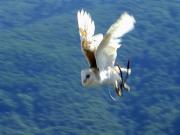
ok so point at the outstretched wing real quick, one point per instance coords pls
(107, 50)
(89, 41)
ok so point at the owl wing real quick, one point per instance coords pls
(106, 52)
(89, 41)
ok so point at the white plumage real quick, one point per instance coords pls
(103, 49)
(107, 50)
(85, 22)
(87, 28)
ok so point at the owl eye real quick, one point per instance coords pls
(87, 76)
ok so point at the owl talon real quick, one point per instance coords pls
(118, 91)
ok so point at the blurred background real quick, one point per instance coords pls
(41, 61)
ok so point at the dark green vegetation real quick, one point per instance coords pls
(41, 60)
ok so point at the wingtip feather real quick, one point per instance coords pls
(123, 25)
(85, 22)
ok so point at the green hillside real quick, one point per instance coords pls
(41, 61)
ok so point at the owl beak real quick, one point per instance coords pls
(84, 81)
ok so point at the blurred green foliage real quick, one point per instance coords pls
(41, 60)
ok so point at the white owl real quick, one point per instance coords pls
(101, 52)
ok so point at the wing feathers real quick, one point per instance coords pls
(85, 24)
(89, 41)
(96, 40)
(122, 26)
(107, 50)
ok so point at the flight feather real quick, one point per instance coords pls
(89, 41)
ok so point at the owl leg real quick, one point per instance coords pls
(123, 84)
(118, 89)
